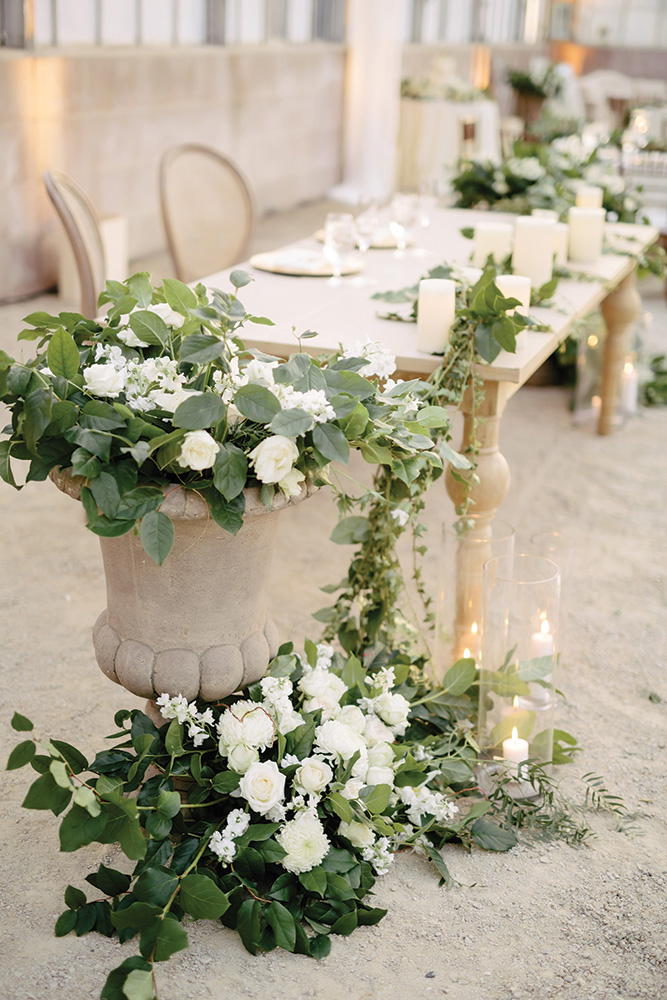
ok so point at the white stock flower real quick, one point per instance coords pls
(337, 740)
(527, 167)
(305, 841)
(400, 516)
(104, 380)
(238, 822)
(241, 757)
(357, 833)
(198, 451)
(129, 337)
(167, 399)
(313, 776)
(263, 786)
(273, 458)
(423, 802)
(223, 846)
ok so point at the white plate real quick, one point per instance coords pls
(301, 263)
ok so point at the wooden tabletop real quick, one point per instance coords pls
(345, 312)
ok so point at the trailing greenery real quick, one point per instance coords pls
(655, 389)
(543, 84)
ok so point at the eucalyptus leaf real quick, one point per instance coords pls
(157, 535)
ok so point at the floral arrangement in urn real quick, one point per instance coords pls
(161, 393)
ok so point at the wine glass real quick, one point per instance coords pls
(428, 199)
(339, 240)
(366, 223)
(403, 218)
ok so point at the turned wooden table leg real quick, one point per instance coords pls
(474, 547)
(620, 309)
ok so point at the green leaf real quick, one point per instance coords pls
(84, 464)
(200, 348)
(376, 797)
(368, 916)
(257, 403)
(21, 755)
(345, 924)
(490, 836)
(168, 803)
(131, 838)
(136, 916)
(74, 757)
(74, 898)
(505, 333)
(282, 923)
(247, 924)
(460, 676)
(109, 881)
(44, 793)
(113, 988)
(228, 514)
(230, 471)
(546, 290)
(536, 669)
(486, 344)
(226, 781)
(65, 923)
(441, 867)
(240, 278)
(331, 442)
(179, 296)
(201, 897)
(79, 828)
(157, 535)
(341, 806)
(163, 939)
(199, 411)
(149, 327)
(350, 382)
(320, 946)
(5, 464)
(37, 416)
(100, 416)
(316, 879)
(351, 530)
(105, 491)
(94, 441)
(454, 459)
(62, 355)
(291, 423)
(156, 886)
(173, 741)
(139, 985)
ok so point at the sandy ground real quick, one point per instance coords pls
(543, 921)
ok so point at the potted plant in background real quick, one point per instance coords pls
(183, 447)
(531, 89)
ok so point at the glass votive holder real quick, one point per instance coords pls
(519, 653)
(559, 547)
(467, 543)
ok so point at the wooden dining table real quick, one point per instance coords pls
(343, 312)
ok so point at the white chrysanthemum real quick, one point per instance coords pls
(335, 739)
(248, 723)
(304, 840)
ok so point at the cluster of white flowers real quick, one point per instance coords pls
(527, 167)
(243, 731)
(148, 385)
(178, 708)
(422, 801)
(389, 707)
(380, 361)
(223, 844)
(380, 855)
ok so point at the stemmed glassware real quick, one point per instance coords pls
(340, 236)
(403, 218)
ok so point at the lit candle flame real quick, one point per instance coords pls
(629, 367)
(466, 654)
(545, 626)
(515, 703)
(473, 628)
(515, 734)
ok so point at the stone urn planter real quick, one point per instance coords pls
(528, 107)
(197, 625)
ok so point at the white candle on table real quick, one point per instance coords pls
(515, 286)
(435, 314)
(589, 196)
(586, 230)
(515, 750)
(492, 238)
(542, 642)
(561, 239)
(629, 388)
(534, 249)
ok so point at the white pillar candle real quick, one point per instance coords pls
(561, 238)
(546, 213)
(629, 389)
(436, 312)
(589, 197)
(534, 249)
(515, 286)
(493, 238)
(585, 239)
(542, 642)
(515, 750)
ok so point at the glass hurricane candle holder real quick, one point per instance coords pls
(559, 547)
(519, 654)
(467, 543)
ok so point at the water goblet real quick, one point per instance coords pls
(403, 218)
(339, 240)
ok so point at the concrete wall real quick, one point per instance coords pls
(105, 117)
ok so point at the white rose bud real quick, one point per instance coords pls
(380, 776)
(313, 776)
(381, 755)
(291, 483)
(104, 380)
(198, 451)
(352, 717)
(263, 786)
(240, 758)
(392, 708)
(358, 834)
(352, 788)
(273, 458)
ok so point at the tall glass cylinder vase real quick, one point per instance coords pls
(520, 621)
(467, 543)
(559, 547)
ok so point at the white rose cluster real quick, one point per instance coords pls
(528, 168)
(152, 384)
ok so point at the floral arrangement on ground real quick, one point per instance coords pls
(276, 810)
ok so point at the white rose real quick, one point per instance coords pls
(273, 458)
(381, 755)
(357, 833)
(335, 738)
(322, 683)
(305, 841)
(240, 758)
(165, 312)
(291, 483)
(313, 776)
(377, 775)
(263, 786)
(352, 788)
(198, 451)
(104, 380)
(375, 731)
(352, 717)
(392, 708)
